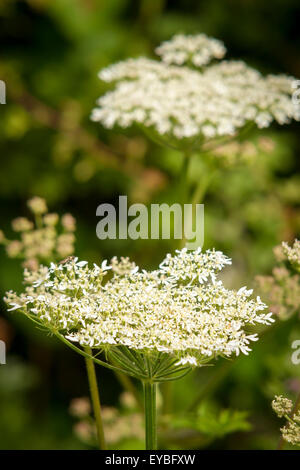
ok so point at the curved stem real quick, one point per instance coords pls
(159, 141)
(199, 193)
(121, 375)
(201, 189)
(88, 356)
(187, 370)
(90, 366)
(126, 367)
(213, 145)
(150, 415)
(184, 190)
(124, 362)
(166, 389)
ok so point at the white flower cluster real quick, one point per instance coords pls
(62, 297)
(195, 49)
(181, 309)
(47, 237)
(292, 252)
(178, 102)
(193, 265)
(123, 266)
(291, 431)
(283, 407)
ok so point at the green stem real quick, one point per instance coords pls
(83, 353)
(166, 389)
(184, 177)
(38, 221)
(90, 366)
(150, 415)
(202, 188)
(198, 196)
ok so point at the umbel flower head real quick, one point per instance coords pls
(151, 323)
(45, 237)
(282, 289)
(283, 407)
(292, 253)
(186, 97)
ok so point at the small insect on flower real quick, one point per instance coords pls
(67, 260)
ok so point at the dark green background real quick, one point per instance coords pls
(51, 51)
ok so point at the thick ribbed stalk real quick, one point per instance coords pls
(150, 415)
(90, 366)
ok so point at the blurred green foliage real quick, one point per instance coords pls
(51, 53)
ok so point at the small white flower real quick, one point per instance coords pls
(187, 360)
(81, 263)
(181, 309)
(104, 265)
(14, 307)
(176, 100)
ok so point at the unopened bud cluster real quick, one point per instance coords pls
(282, 289)
(283, 407)
(47, 237)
